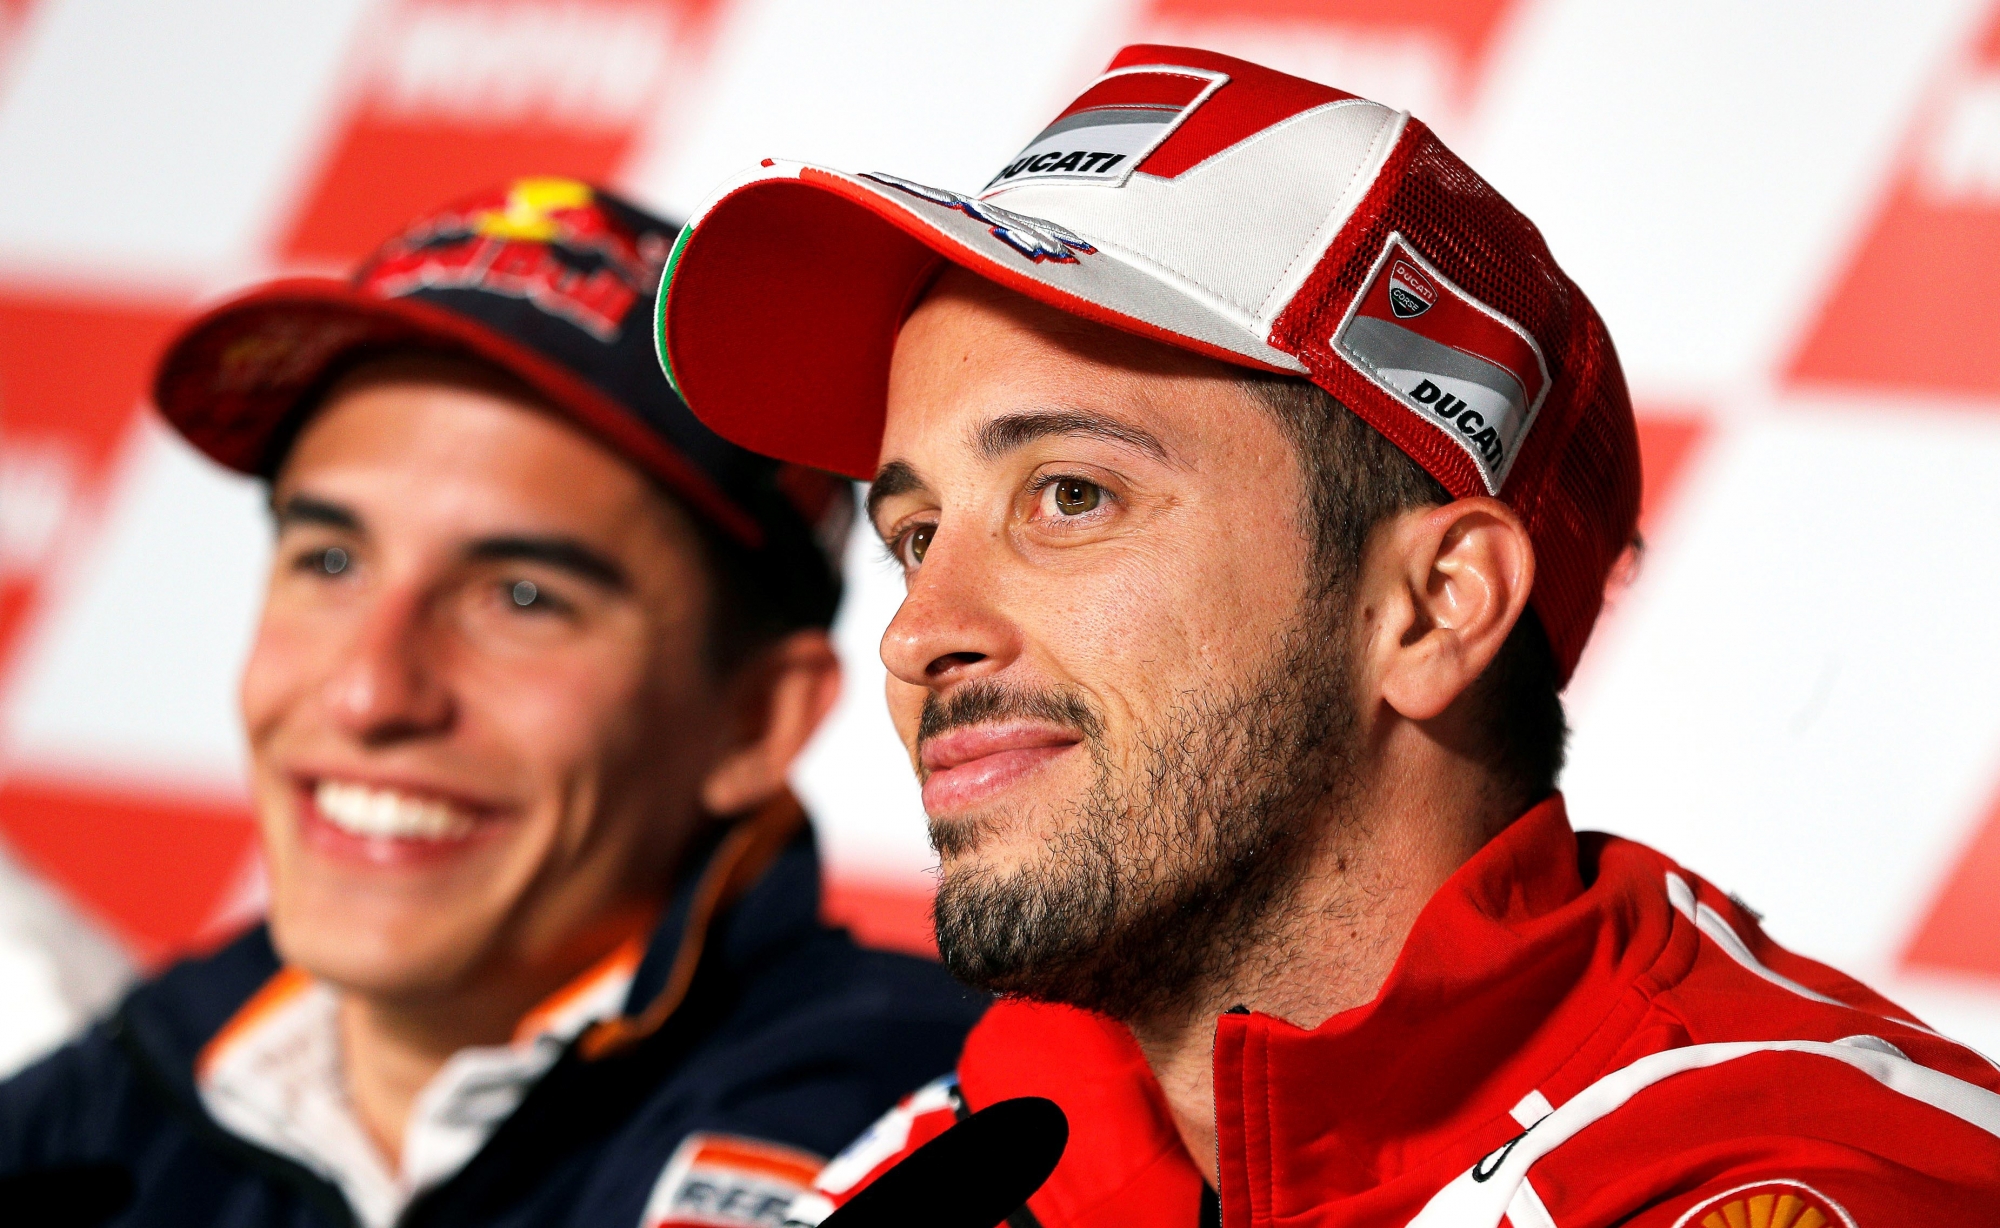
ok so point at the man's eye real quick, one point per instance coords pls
(528, 597)
(1074, 496)
(331, 561)
(917, 541)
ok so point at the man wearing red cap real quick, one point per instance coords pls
(536, 654)
(1256, 475)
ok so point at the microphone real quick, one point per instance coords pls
(66, 1195)
(974, 1175)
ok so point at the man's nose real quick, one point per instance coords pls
(389, 685)
(950, 627)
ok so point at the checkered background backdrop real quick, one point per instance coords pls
(1788, 211)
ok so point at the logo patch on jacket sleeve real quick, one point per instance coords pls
(725, 1181)
(917, 1119)
(1457, 363)
(1104, 135)
(920, 1117)
(1768, 1204)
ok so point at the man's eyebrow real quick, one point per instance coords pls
(1010, 431)
(895, 478)
(563, 553)
(306, 509)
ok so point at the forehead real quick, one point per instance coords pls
(973, 351)
(439, 444)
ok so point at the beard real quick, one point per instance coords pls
(1162, 880)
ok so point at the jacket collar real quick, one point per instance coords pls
(757, 888)
(1506, 995)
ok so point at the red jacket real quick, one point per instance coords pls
(1577, 1032)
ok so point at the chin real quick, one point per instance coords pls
(375, 956)
(993, 842)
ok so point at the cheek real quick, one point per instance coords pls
(1118, 623)
(553, 719)
(285, 662)
(906, 708)
(1160, 620)
(605, 723)
(1218, 595)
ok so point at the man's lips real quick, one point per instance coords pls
(964, 767)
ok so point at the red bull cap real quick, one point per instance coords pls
(549, 279)
(1220, 207)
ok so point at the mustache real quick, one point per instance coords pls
(984, 701)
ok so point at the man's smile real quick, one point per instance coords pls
(385, 823)
(966, 766)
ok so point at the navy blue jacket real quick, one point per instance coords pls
(787, 1031)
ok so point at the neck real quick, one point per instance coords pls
(1330, 941)
(393, 1045)
(391, 1050)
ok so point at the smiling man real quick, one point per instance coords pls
(536, 654)
(1256, 475)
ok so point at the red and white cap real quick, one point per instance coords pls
(1216, 206)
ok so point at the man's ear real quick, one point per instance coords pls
(1447, 584)
(775, 703)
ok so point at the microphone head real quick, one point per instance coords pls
(974, 1175)
(66, 1195)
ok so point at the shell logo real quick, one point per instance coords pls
(1787, 1210)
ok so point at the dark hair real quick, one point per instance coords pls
(759, 597)
(1355, 480)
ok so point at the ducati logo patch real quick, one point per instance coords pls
(1410, 293)
(1454, 361)
(1107, 132)
(723, 1181)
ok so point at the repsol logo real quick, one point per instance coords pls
(1060, 162)
(1466, 420)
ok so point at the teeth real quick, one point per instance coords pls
(387, 813)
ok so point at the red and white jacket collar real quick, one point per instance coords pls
(1577, 1031)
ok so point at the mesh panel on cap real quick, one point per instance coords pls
(1575, 480)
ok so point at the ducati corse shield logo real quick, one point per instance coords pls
(1410, 294)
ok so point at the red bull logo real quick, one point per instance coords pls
(547, 241)
(543, 211)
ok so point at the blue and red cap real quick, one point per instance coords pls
(550, 280)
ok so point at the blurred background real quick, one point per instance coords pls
(1788, 211)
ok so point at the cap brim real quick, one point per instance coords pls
(233, 381)
(783, 298)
